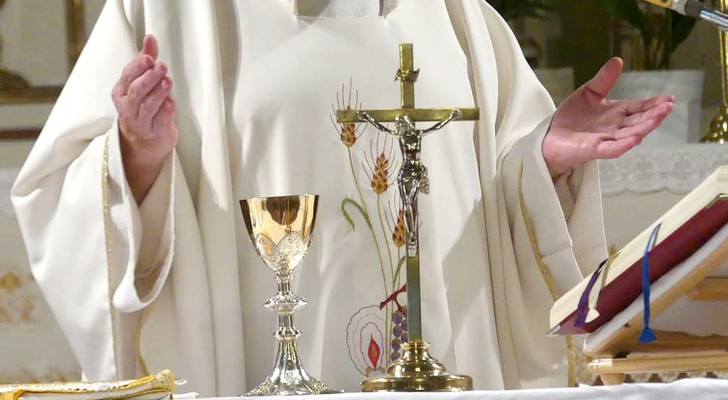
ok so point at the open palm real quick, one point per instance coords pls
(587, 126)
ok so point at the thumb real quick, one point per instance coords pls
(150, 46)
(607, 77)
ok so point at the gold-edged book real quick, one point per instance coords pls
(682, 230)
(153, 387)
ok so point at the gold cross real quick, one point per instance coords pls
(422, 371)
(407, 76)
(413, 174)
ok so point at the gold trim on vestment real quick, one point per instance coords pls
(107, 232)
(107, 241)
(570, 350)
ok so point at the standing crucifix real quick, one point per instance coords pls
(416, 370)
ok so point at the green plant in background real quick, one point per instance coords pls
(514, 9)
(661, 30)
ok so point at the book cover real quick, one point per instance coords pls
(682, 230)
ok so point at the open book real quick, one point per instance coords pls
(153, 387)
(674, 237)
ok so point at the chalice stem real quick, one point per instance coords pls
(288, 376)
(285, 304)
(288, 363)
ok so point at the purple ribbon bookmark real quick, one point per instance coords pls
(581, 309)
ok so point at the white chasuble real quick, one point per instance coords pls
(175, 283)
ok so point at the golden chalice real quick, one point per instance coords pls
(280, 228)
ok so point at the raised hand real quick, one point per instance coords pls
(147, 130)
(587, 126)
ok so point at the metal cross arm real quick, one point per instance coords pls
(414, 114)
(407, 76)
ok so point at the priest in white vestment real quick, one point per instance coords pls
(128, 202)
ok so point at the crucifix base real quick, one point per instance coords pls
(417, 371)
(718, 131)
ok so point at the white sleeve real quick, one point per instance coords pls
(566, 216)
(533, 230)
(81, 227)
(145, 232)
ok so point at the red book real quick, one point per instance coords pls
(683, 229)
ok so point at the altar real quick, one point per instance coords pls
(703, 389)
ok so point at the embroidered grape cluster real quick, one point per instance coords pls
(399, 332)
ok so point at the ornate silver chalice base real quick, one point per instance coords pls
(280, 228)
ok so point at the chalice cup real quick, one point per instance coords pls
(280, 229)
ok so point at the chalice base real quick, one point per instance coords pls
(289, 377)
(417, 371)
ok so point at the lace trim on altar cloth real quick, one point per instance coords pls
(678, 169)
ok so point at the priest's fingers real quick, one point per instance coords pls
(615, 148)
(127, 106)
(163, 122)
(136, 67)
(659, 112)
(143, 86)
(639, 130)
(638, 105)
(150, 46)
(606, 78)
(150, 105)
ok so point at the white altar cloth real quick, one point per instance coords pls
(677, 169)
(702, 389)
